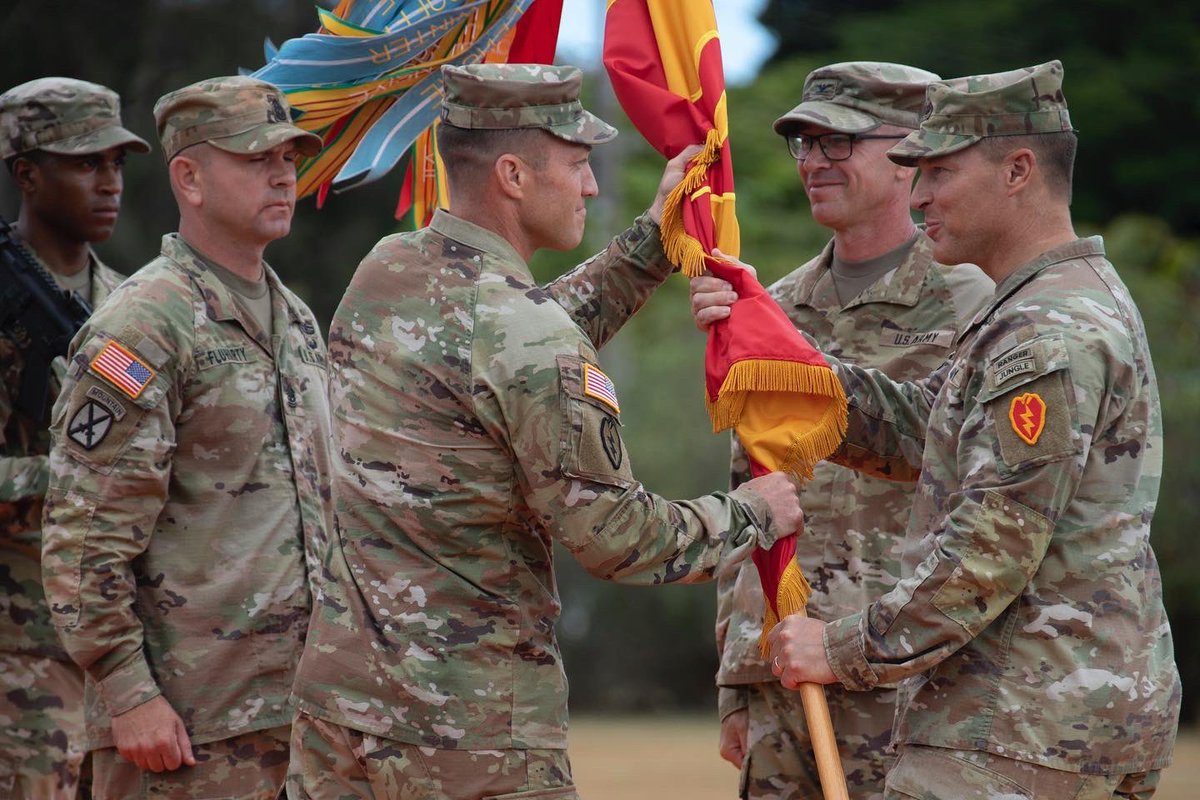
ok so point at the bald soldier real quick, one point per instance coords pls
(65, 147)
(474, 428)
(1028, 626)
(876, 297)
(189, 472)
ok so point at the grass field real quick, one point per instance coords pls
(670, 758)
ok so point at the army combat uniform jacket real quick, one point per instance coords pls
(1029, 620)
(25, 626)
(905, 325)
(188, 489)
(474, 429)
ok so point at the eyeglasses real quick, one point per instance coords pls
(835, 146)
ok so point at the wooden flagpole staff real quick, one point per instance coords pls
(820, 732)
(792, 591)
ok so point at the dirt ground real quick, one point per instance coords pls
(643, 758)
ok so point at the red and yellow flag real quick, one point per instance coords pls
(761, 377)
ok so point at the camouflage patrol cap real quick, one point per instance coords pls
(960, 112)
(64, 116)
(235, 114)
(507, 96)
(858, 96)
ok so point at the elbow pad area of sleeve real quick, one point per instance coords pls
(998, 543)
(1006, 546)
(67, 522)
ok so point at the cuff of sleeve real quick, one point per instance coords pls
(847, 658)
(731, 699)
(128, 686)
(760, 515)
(642, 242)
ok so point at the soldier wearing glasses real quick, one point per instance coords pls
(874, 296)
(1028, 627)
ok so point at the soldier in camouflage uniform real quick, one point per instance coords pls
(1028, 627)
(65, 148)
(189, 484)
(876, 297)
(474, 428)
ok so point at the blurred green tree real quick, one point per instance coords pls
(1130, 78)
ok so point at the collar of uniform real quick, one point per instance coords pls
(902, 286)
(104, 280)
(811, 274)
(1079, 248)
(217, 296)
(98, 267)
(472, 235)
(282, 299)
(100, 281)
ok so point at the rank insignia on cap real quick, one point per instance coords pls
(123, 369)
(275, 110)
(822, 89)
(1027, 413)
(596, 384)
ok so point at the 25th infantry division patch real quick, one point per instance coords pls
(1027, 413)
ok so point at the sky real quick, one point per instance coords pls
(582, 30)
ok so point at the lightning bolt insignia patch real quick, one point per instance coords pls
(1027, 413)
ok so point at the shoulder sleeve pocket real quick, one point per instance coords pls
(104, 403)
(1006, 546)
(1028, 396)
(592, 446)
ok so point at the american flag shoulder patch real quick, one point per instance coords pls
(123, 369)
(596, 384)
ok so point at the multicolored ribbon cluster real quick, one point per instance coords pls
(367, 82)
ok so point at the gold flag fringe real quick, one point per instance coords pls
(791, 597)
(809, 448)
(767, 375)
(681, 249)
(804, 451)
(772, 375)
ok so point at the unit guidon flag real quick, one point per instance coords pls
(761, 377)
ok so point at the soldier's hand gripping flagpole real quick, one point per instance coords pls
(820, 730)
